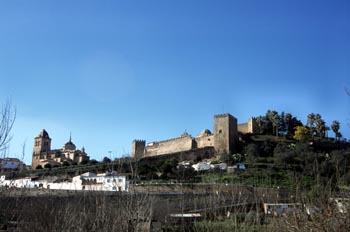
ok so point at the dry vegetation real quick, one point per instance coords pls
(221, 209)
(89, 211)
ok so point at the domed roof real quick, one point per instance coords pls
(69, 145)
(43, 134)
(205, 132)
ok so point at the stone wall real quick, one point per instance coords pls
(249, 127)
(243, 128)
(224, 139)
(184, 143)
(205, 141)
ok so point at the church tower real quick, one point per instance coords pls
(42, 143)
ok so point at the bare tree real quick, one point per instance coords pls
(7, 119)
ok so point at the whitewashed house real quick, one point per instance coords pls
(18, 183)
(87, 181)
(94, 182)
(202, 166)
(11, 163)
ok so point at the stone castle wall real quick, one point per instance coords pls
(248, 127)
(204, 141)
(184, 143)
(243, 128)
(224, 139)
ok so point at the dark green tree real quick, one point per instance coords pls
(260, 121)
(282, 126)
(335, 128)
(283, 154)
(273, 117)
(106, 160)
(93, 161)
(252, 152)
(311, 118)
(321, 127)
(291, 124)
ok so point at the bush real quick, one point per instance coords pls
(93, 162)
(65, 164)
(252, 152)
(84, 162)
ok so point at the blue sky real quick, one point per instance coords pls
(113, 71)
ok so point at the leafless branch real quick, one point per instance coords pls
(7, 119)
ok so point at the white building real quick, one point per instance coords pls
(94, 182)
(87, 181)
(18, 183)
(11, 163)
(202, 166)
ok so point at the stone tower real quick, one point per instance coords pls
(138, 148)
(225, 133)
(42, 143)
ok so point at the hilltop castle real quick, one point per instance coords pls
(42, 153)
(224, 139)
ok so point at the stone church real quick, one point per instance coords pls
(42, 153)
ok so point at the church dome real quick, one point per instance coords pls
(204, 132)
(69, 145)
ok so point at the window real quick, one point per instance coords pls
(220, 131)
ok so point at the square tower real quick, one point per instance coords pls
(225, 133)
(42, 143)
(138, 148)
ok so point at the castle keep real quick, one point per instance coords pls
(42, 153)
(224, 139)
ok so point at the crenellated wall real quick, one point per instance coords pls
(224, 139)
(248, 127)
(184, 143)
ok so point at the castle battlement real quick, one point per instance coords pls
(222, 115)
(224, 139)
(169, 140)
